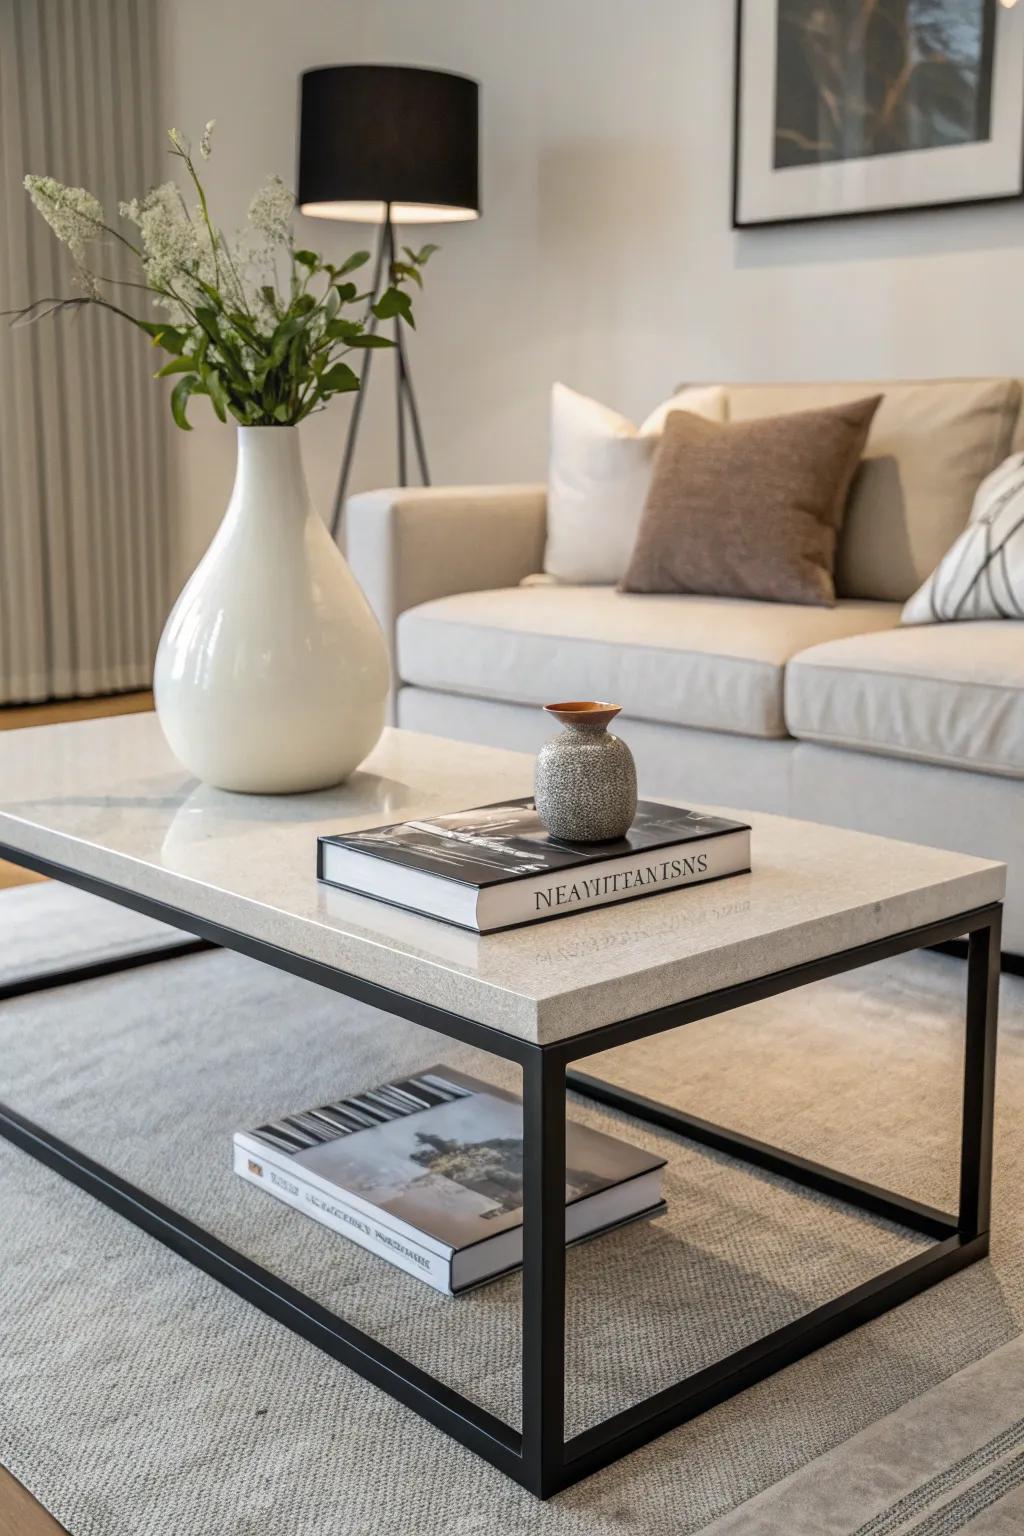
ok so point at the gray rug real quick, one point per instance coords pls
(47, 928)
(140, 1397)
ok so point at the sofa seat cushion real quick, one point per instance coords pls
(710, 662)
(950, 694)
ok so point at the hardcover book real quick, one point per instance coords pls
(427, 1172)
(497, 867)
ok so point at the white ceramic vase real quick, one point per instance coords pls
(272, 673)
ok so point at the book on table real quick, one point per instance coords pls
(427, 1172)
(497, 867)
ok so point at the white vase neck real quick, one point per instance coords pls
(270, 481)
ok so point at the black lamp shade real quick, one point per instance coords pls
(377, 134)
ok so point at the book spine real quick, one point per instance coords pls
(292, 1167)
(335, 1213)
(565, 891)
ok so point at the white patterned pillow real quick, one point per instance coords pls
(982, 576)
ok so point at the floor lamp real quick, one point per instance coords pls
(388, 145)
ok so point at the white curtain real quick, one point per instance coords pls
(83, 454)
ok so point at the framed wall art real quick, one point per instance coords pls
(867, 106)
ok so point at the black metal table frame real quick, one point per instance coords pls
(540, 1457)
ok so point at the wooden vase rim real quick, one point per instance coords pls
(593, 712)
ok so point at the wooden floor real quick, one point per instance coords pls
(20, 1515)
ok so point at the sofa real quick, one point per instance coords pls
(834, 714)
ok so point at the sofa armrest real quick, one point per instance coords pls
(410, 545)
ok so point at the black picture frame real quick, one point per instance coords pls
(783, 221)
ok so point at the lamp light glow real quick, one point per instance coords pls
(401, 213)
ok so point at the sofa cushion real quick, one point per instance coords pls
(982, 576)
(599, 471)
(950, 694)
(931, 444)
(749, 508)
(711, 662)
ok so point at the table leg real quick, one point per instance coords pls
(543, 1347)
(979, 1078)
(539, 1457)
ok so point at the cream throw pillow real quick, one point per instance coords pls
(599, 476)
(982, 576)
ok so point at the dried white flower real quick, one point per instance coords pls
(169, 244)
(253, 250)
(87, 283)
(74, 215)
(227, 297)
(215, 263)
(270, 212)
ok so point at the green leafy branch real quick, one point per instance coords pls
(277, 376)
(262, 351)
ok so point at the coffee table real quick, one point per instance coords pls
(104, 806)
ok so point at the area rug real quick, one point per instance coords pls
(952, 1460)
(140, 1397)
(49, 928)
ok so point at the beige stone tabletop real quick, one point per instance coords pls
(106, 798)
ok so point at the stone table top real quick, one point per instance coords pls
(107, 799)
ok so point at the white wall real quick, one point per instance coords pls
(238, 61)
(604, 256)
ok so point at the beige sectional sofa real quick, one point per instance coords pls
(832, 714)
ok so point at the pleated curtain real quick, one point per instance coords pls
(84, 499)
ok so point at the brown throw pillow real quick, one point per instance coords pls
(749, 508)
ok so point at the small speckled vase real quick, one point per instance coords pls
(585, 781)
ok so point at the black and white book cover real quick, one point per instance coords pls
(497, 866)
(428, 1172)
